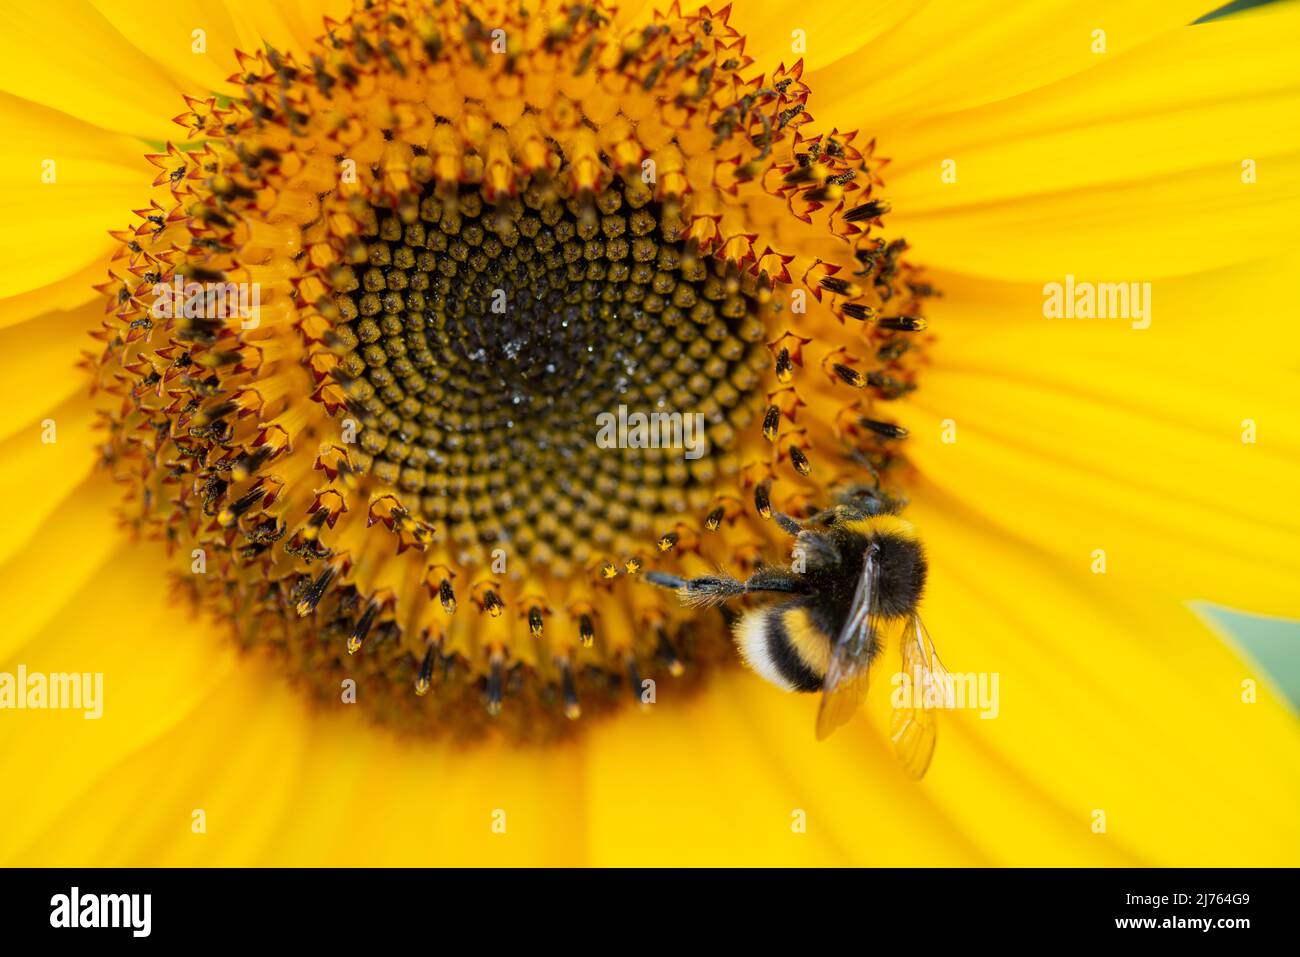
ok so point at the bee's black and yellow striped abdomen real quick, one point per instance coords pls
(780, 645)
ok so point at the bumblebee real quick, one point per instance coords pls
(858, 575)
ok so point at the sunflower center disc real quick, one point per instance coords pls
(482, 342)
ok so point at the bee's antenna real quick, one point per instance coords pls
(857, 456)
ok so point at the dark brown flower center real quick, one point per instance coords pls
(482, 343)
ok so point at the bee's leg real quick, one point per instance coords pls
(777, 579)
(708, 589)
(787, 524)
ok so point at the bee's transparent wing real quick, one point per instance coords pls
(913, 729)
(855, 647)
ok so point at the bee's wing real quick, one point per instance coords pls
(845, 684)
(913, 729)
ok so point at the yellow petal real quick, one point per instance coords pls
(71, 289)
(38, 371)
(44, 462)
(101, 77)
(821, 35)
(1081, 435)
(1136, 168)
(42, 578)
(158, 665)
(168, 36)
(957, 54)
(736, 777)
(200, 62)
(1111, 699)
(55, 228)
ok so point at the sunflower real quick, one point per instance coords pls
(453, 238)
